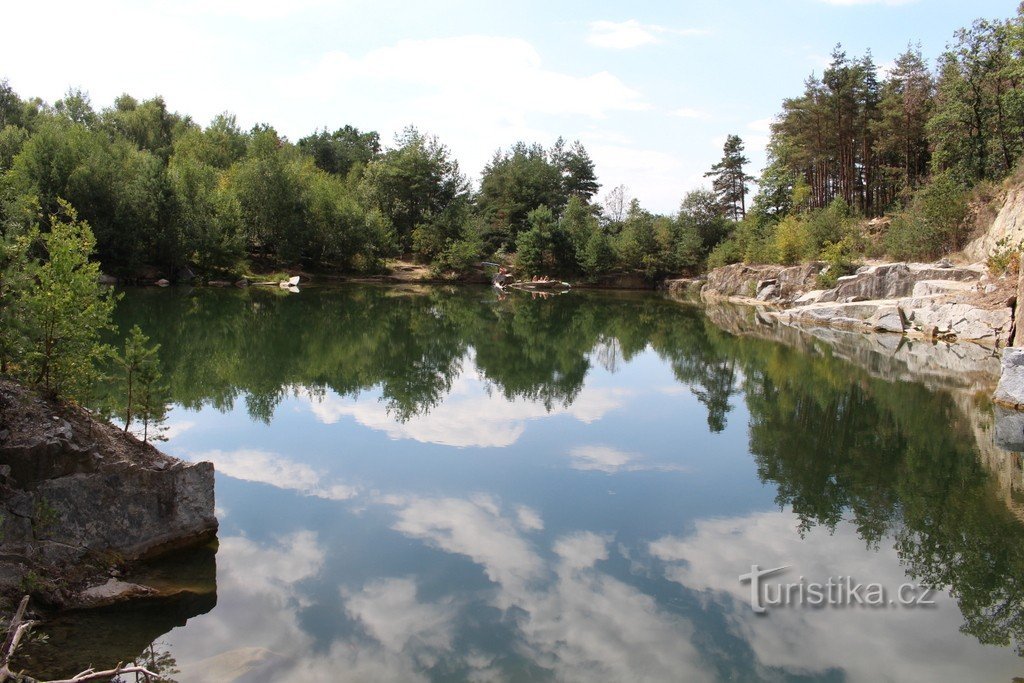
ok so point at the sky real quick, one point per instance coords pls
(650, 88)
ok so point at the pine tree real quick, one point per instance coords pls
(730, 183)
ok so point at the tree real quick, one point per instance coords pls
(413, 183)
(901, 133)
(14, 280)
(65, 309)
(341, 151)
(513, 184)
(700, 212)
(578, 176)
(616, 203)
(545, 246)
(729, 181)
(207, 217)
(138, 369)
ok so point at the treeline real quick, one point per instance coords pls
(162, 194)
(914, 143)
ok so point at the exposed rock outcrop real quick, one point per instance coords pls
(743, 280)
(1006, 231)
(929, 300)
(78, 497)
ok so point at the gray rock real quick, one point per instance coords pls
(888, 319)
(933, 287)
(162, 282)
(811, 297)
(1010, 391)
(965, 321)
(768, 292)
(105, 279)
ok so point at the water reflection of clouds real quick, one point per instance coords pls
(903, 643)
(610, 460)
(575, 620)
(470, 415)
(569, 615)
(265, 467)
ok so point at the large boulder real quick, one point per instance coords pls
(747, 280)
(895, 280)
(964, 321)
(76, 493)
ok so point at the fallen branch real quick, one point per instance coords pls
(15, 631)
(93, 675)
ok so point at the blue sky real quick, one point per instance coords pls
(651, 88)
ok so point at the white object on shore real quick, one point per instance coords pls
(289, 283)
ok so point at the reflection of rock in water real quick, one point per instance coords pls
(1005, 459)
(186, 585)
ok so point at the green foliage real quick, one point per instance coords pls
(598, 254)
(414, 184)
(729, 181)
(725, 252)
(1005, 259)
(64, 310)
(933, 223)
(544, 246)
(793, 241)
(700, 213)
(343, 150)
(839, 259)
(518, 181)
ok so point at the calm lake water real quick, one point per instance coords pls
(441, 485)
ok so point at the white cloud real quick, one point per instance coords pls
(625, 35)
(175, 429)
(485, 73)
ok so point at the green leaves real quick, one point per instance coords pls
(63, 310)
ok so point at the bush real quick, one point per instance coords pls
(724, 253)
(792, 242)
(839, 257)
(933, 223)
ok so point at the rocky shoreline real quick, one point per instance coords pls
(929, 301)
(81, 502)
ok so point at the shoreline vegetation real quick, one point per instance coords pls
(863, 164)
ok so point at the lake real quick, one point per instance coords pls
(445, 484)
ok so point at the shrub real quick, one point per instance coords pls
(724, 253)
(839, 257)
(792, 242)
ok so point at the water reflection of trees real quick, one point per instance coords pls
(837, 443)
(219, 346)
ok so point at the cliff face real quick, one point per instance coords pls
(79, 498)
(1006, 231)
